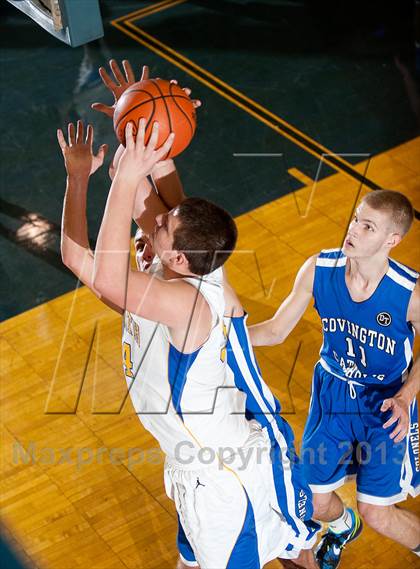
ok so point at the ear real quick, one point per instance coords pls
(179, 261)
(183, 261)
(393, 240)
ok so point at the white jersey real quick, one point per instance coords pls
(183, 399)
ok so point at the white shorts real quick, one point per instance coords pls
(226, 511)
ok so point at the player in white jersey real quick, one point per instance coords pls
(291, 495)
(363, 415)
(218, 470)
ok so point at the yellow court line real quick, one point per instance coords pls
(145, 11)
(216, 79)
(306, 180)
(231, 99)
(320, 151)
(199, 78)
(300, 139)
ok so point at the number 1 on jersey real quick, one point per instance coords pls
(351, 353)
(127, 361)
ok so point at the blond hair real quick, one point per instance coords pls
(396, 204)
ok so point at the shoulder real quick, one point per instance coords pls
(402, 275)
(306, 274)
(330, 258)
(413, 313)
(171, 302)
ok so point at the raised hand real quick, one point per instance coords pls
(79, 158)
(167, 166)
(119, 84)
(138, 159)
(196, 102)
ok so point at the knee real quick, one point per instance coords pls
(321, 505)
(377, 517)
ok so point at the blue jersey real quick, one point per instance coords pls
(368, 342)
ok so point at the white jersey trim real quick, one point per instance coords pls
(410, 272)
(320, 262)
(392, 274)
(325, 488)
(381, 501)
(335, 250)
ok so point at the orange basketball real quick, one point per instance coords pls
(161, 101)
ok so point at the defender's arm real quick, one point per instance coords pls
(276, 330)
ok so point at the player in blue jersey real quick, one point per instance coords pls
(363, 418)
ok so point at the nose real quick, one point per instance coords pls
(159, 219)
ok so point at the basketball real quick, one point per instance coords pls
(161, 101)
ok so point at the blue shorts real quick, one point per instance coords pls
(344, 438)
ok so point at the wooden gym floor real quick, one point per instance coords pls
(81, 480)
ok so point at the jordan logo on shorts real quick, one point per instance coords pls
(199, 483)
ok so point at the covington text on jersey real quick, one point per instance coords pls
(372, 338)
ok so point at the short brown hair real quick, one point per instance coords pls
(396, 204)
(206, 235)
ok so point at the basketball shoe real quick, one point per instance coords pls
(329, 550)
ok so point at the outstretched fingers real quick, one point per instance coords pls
(107, 80)
(141, 133)
(106, 109)
(196, 102)
(70, 134)
(89, 135)
(163, 151)
(144, 73)
(129, 73)
(117, 72)
(393, 419)
(129, 136)
(151, 145)
(79, 132)
(61, 139)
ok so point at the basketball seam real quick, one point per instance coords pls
(167, 112)
(151, 116)
(182, 110)
(127, 93)
(143, 103)
(164, 102)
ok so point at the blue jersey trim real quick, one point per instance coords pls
(184, 546)
(245, 551)
(240, 329)
(265, 417)
(178, 366)
(253, 408)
